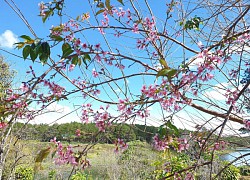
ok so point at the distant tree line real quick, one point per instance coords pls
(88, 132)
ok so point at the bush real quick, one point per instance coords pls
(24, 173)
(245, 170)
(230, 173)
(81, 176)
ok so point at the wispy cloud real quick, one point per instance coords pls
(56, 113)
(8, 39)
(218, 92)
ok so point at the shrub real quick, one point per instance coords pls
(81, 176)
(24, 173)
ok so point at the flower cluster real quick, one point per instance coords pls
(247, 124)
(101, 117)
(86, 111)
(78, 132)
(3, 125)
(42, 8)
(65, 155)
(125, 107)
(170, 99)
(120, 145)
(160, 144)
(221, 145)
(183, 144)
(231, 97)
(55, 89)
(180, 144)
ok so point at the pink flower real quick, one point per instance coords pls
(189, 176)
(24, 87)
(120, 144)
(160, 144)
(78, 132)
(94, 73)
(71, 67)
(100, 125)
(247, 124)
(77, 42)
(84, 46)
(53, 140)
(135, 28)
(101, 30)
(183, 144)
(98, 58)
(143, 113)
(42, 7)
(217, 146)
(3, 125)
(97, 46)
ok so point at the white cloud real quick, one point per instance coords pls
(190, 118)
(238, 48)
(56, 113)
(218, 92)
(55, 107)
(197, 61)
(8, 39)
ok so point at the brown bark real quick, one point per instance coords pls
(217, 114)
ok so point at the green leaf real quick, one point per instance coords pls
(45, 48)
(87, 57)
(193, 23)
(53, 153)
(67, 52)
(121, 1)
(56, 38)
(162, 131)
(167, 72)
(43, 58)
(100, 5)
(84, 61)
(33, 54)
(19, 45)
(164, 63)
(100, 11)
(79, 61)
(162, 72)
(26, 51)
(25, 37)
(39, 50)
(47, 14)
(171, 73)
(107, 3)
(65, 46)
(40, 157)
(75, 60)
(173, 127)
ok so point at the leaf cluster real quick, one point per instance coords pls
(34, 48)
(193, 23)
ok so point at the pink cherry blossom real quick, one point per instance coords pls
(71, 67)
(94, 73)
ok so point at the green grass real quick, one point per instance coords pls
(105, 163)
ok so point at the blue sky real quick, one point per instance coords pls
(12, 27)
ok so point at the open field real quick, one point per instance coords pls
(139, 161)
